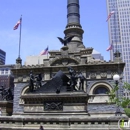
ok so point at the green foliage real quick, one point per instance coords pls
(126, 86)
(112, 95)
(124, 102)
(127, 111)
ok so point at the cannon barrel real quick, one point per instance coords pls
(61, 75)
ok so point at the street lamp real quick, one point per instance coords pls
(116, 78)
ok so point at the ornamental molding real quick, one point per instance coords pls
(103, 75)
(53, 106)
(113, 73)
(65, 61)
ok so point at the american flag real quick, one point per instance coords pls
(44, 52)
(17, 24)
(109, 16)
(110, 48)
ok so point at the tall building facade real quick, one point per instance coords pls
(6, 76)
(119, 32)
(2, 57)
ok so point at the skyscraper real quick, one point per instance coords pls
(119, 31)
(2, 57)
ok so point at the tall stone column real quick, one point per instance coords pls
(73, 25)
(73, 15)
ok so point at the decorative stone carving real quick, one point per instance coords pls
(86, 51)
(53, 106)
(65, 62)
(93, 75)
(103, 74)
(21, 101)
(20, 79)
(113, 73)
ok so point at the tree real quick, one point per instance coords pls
(124, 102)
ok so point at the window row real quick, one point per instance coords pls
(6, 71)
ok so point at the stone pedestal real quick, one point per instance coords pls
(64, 103)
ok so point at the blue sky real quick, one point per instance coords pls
(45, 20)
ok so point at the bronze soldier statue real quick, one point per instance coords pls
(31, 82)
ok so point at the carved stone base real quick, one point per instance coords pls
(69, 102)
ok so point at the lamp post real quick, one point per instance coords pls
(116, 78)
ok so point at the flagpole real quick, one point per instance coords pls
(47, 52)
(114, 40)
(20, 35)
(112, 48)
(115, 31)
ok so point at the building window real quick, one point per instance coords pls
(6, 71)
(2, 71)
(101, 90)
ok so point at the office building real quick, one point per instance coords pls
(6, 76)
(97, 55)
(2, 57)
(6, 79)
(119, 32)
(35, 60)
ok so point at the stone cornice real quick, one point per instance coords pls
(65, 97)
(89, 65)
(95, 63)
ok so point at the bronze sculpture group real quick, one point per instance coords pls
(74, 77)
(6, 93)
(35, 79)
(35, 82)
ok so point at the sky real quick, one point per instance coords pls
(45, 20)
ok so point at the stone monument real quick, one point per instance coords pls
(72, 91)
